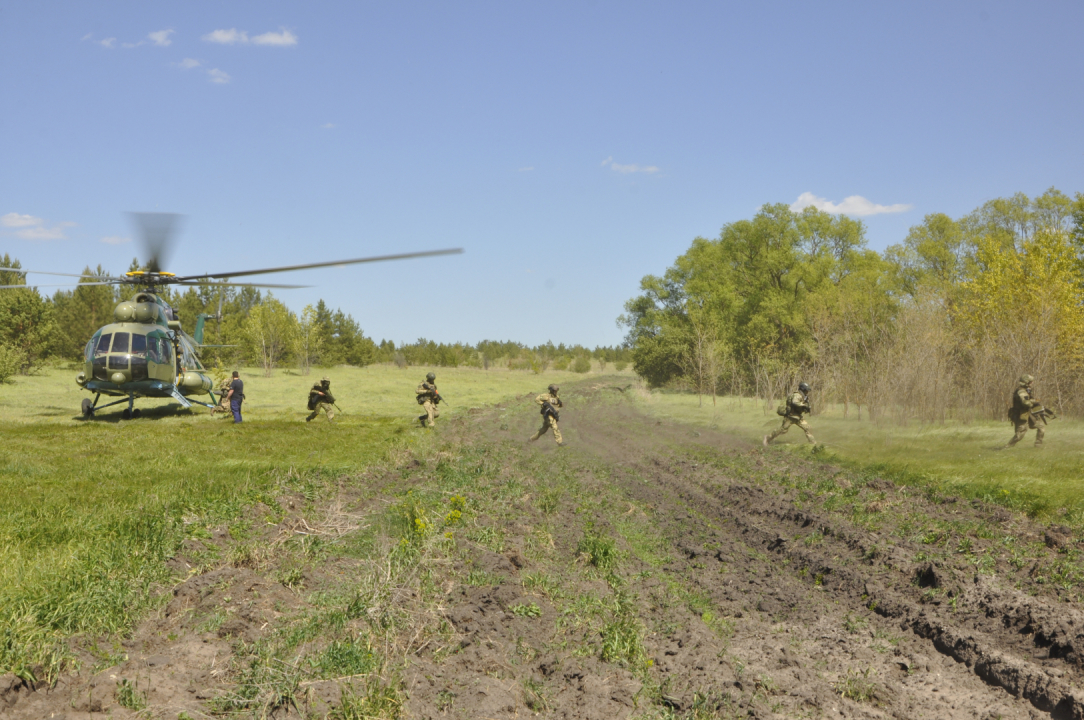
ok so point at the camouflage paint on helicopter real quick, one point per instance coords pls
(144, 353)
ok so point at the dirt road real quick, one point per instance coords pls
(643, 570)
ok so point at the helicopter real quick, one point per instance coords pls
(144, 353)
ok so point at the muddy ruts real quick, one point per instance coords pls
(1017, 676)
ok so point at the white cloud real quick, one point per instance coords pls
(108, 43)
(328, 126)
(526, 169)
(218, 76)
(188, 63)
(282, 39)
(852, 205)
(626, 169)
(227, 37)
(161, 38)
(116, 240)
(233, 36)
(33, 228)
(17, 220)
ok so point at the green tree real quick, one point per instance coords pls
(268, 331)
(307, 339)
(81, 312)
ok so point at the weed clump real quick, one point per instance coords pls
(599, 550)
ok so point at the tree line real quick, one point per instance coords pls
(938, 325)
(247, 326)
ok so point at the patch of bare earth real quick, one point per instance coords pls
(643, 570)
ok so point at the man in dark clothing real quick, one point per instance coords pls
(236, 396)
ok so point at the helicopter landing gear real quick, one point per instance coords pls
(129, 413)
(88, 408)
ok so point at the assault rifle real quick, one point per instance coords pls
(438, 398)
(551, 411)
(1045, 413)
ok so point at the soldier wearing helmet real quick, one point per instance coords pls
(793, 410)
(1026, 413)
(321, 399)
(429, 398)
(549, 402)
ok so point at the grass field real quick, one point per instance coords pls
(90, 510)
(956, 458)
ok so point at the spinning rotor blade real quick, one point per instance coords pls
(233, 284)
(74, 285)
(379, 258)
(74, 275)
(157, 231)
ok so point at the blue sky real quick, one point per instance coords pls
(571, 148)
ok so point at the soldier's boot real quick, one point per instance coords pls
(809, 437)
(1039, 437)
(422, 419)
(311, 417)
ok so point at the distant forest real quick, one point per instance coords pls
(35, 329)
(940, 325)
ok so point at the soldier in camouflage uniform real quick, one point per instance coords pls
(1026, 413)
(549, 402)
(321, 399)
(796, 407)
(429, 398)
(223, 398)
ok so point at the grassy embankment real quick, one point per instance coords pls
(89, 510)
(954, 458)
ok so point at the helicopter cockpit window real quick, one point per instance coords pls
(103, 344)
(152, 349)
(120, 342)
(92, 344)
(139, 344)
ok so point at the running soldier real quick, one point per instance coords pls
(549, 403)
(1027, 413)
(796, 407)
(320, 398)
(429, 398)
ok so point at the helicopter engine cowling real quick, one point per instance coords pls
(124, 312)
(193, 380)
(146, 312)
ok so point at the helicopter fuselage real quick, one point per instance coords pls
(144, 353)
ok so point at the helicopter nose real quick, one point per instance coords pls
(119, 378)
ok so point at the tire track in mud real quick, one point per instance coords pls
(1031, 648)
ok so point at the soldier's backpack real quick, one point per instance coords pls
(313, 398)
(782, 409)
(1014, 415)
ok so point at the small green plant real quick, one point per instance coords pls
(856, 685)
(581, 364)
(293, 578)
(854, 623)
(375, 701)
(600, 551)
(544, 584)
(622, 643)
(549, 499)
(130, 696)
(527, 610)
(534, 695)
(723, 627)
